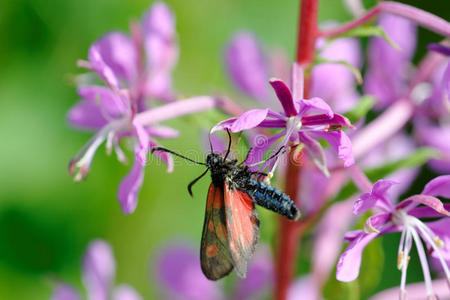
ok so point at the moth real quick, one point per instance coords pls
(231, 225)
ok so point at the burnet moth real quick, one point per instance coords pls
(231, 226)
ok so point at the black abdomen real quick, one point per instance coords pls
(271, 198)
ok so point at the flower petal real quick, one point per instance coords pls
(99, 269)
(374, 223)
(305, 287)
(285, 96)
(259, 276)
(350, 261)
(86, 115)
(163, 156)
(159, 36)
(314, 104)
(387, 72)
(340, 142)
(144, 141)
(323, 119)
(248, 120)
(125, 292)
(65, 292)
(315, 152)
(439, 186)
(162, 132)
(335, 82)
(246, 65)
(109, 102)
(427, 212)
(415, 291)
(130, 186)
(179, 272)
(101, 68)
(120, 54)
(440, 229)
(378, 196)
(429, 201)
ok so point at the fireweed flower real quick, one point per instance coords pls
(249, 68)
(99, 270)
(178, 270)
(404, 217)
(118, 109)
(297, 124)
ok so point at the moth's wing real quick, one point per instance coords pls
(242, 227)
(215, 255)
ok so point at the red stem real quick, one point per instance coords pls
(290, 232)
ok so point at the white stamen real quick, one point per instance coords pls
(424, 263)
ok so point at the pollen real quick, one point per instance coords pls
(400, 260)
(439, 242)
(211, 250)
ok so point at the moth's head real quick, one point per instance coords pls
(214, 160)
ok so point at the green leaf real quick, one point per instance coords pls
(361, 109)
(355, 71)
(416, 159)
(369, 31)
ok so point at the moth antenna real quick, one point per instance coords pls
(162, 149)
(229, 144)
(270, 157)
(194, 181)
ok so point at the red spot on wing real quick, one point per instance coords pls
(211, 250)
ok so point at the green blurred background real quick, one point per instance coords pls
(46, 220)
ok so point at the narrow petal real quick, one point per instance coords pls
(109, 102)
(162, 132)
(429, 201)
(159, 36)
(65, 292)
(163, 156)
(260, 145)
(315, 152)
(99, 270)
(439, 186)
(130, 186)
(329, 238)
(427, 212)
(125, 292)
(314, 104)
(119, 53)
(248, 120)
(365, 202)
(272, 123)
(285, 96)
(340, 142)
(350, 261)
(440, 229)
(324, 119)
(350, 236)
(374, 223)
(101, 68)
(86, 115)
(144, 141)
(179, 273)
(246, 65)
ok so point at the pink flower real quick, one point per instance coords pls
(404, 217)
(297, 123)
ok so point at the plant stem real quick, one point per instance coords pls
(289, 232)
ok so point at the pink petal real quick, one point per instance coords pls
(439, 186)
(350, 261)
(162, 132)
(429, 201)
(246, 65)
(415, 291)
(365, 202)
(119, 53)
(86, 115)
(315, 152)
(260, 145)
(374, 223)
(125, 292)
(109, 102)
(285, 96)
(163, 156)
(159, 36)
(101, 68)
(441, 229)
(324, 119)
(99, 269)
(427, 212)
(314, 104)
(130, 186)
(340, 142)
(65, 292)
(248, 120)
(305, 287)
(350, 236)
(144, 141)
